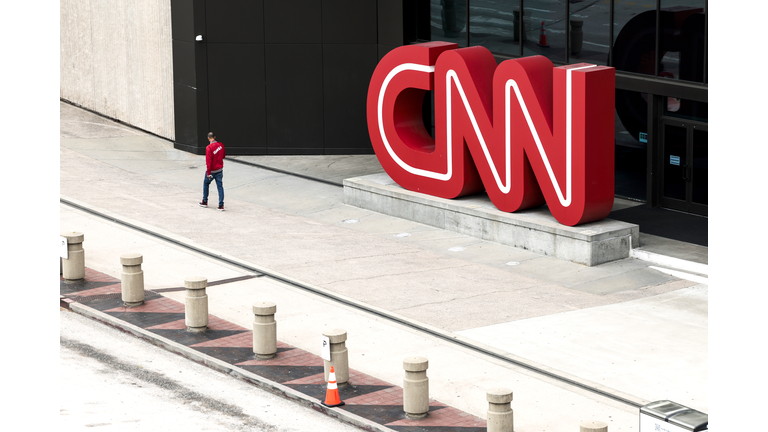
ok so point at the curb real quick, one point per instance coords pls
(226, 368)
(543, 371)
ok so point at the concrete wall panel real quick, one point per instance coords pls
(75, 63)
(116, 59)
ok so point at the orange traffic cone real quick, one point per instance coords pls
(543, 37)
(332, 398)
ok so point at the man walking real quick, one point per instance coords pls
(214, 166)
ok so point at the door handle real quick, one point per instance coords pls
(686, 172)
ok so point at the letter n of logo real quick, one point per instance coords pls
(524, 131)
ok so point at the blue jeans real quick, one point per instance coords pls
(219, 185)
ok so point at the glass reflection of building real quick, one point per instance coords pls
(659, 50)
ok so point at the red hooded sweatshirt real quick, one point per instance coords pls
(214, 158)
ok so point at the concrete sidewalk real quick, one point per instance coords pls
(458, 377)
(622, 325)
(296, 374)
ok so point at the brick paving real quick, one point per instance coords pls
(365, 396)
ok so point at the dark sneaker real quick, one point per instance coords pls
(203, 203)
(221, 207)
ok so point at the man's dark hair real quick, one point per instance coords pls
(211, 135)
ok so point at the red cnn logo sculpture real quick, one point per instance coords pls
(524, 131)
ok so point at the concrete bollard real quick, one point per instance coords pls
(196, 306)
(499, 410)
(264, 330)
(593, 426)
(132, 279)
(73, 268)
(339, 356)
(415, 387)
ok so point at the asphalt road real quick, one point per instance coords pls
(110, 380)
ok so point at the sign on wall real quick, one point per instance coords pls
(524, 131)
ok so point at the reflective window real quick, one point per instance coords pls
(590, 31)
(700, 179)
(682, 40)
(544, 22)
(686, 109)
(448, 21)
(634, 33)
(574, 31)
(494, 25)
(543, 25)
(631, 147)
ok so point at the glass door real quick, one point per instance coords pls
(684, 165)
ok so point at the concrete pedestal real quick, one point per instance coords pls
(264, 330)
(132, 279)
(593, 426)
(73, 268)
(500, 416)
(196, 304)
(415, 387)
(535, 230)
(339, 355)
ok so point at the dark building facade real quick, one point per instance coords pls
(279, 77)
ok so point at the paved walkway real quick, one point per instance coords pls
(608, 325)
(368, 402)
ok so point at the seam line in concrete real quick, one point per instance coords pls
(290, 173)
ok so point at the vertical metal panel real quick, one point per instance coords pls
(706, 40)
(347, 70)
(468, 22)
(610, 31)
(568, 31)
(185, 104)
(236, 96)
(294, 98)
(184, 63)
(521, 26)
(390, 22)
(654, 163)
(234, 21)
(201, 72)
(182, 20)
(656, 54)
(349, 21)
(292, 22)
